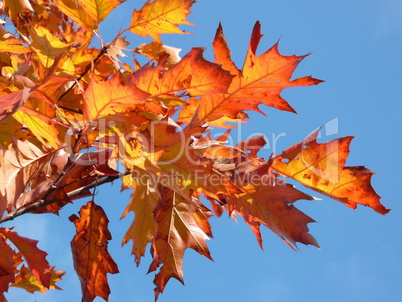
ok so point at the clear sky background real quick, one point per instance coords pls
(356, 48)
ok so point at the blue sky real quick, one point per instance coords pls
(356, 48)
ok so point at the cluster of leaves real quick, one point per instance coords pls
(71, 113)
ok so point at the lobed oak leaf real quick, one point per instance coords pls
(263, 77)
(260, 81)
(177, 230)
(271, 203)
(92, 260)
(160, 17)
(103, 98)
(321, 167)
(88, 13)
(34, 257)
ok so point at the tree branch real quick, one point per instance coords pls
(43, 202)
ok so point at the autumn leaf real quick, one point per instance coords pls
(88, 13)
(20, 165)
(11, 102)
(47, 45)
(142, 203)
(321, 167)
(177, 230)
(260, 81)
(92, 260)
(210, 78)
(6, 265)
(30, 283)
(34, 257)
(155, 50)
(160, 17)
(16, 7)
(272, 205)
(103, 98)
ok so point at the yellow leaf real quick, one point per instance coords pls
(160, 17)
(87, 13)
(47, 45)
(45, 133)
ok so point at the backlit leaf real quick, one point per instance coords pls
(160, 17)
(87, 13)
(92, 260)
(321, 167)
(103, 98)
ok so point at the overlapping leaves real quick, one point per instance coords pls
(72, 116)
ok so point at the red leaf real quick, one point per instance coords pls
(6, 265)
(35, 258)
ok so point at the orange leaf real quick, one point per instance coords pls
(88, 13)
(105, 98)
(34, 257)
(176, 231)
(92, 260)
(11, 102)
(321, 167)
(260, 81)
(160, 17)
(263, 77)
(193, 73)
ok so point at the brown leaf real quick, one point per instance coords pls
(321, 167)
(92, 260)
